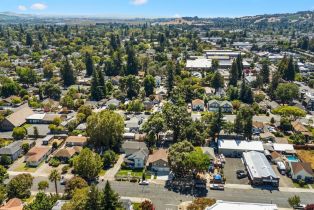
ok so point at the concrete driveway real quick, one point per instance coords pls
(110, 174)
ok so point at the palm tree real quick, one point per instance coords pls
(55, 177)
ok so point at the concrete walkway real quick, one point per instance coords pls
(281, 189)
(110, 174)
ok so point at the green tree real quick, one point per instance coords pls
(147, 205)
(111, 199)
(132, 62)
(286, 92)
(67, 73)
(290, 112)
(135, 106)
(29, 40)
(19, 133)
(215, 64)
(170, 77)
(87, 164)
(74, 183)
(89, 64)
(239, 62)
(109, 158)
(244, 121)
(130, 85)
(294, 201)
(154, 125)
(43, 185)
(290, 72)
(149, 85)
(178, 156)
(233, 78)
(26, 75)
(105, 129)
(217, 81)
(55, 176)
(35, 130)
(94, 199)
(19, 186)
(216, 124)
(3, 193)
(265, 72)
(42, 202)
(3, 174)
(78, 200)
(96, 89)
(176, 119)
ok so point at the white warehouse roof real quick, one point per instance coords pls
(200, 63)
(227, 205)
(283, 147)
(240, 145)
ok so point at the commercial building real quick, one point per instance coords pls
(235, 148)
(259, 169)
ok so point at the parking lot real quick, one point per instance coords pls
(231, 166)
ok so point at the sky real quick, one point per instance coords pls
(155, 8)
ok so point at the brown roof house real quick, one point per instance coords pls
(158, 161)
(301, 170)
(298, 127)
(198, 105)
(65, 154)
(36, 155)
(13, 204)
(76, 141)
(17, 118)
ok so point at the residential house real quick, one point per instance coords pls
(17, 118)
(113, 102)
(126, 204)
(47, 139)
(58, 205)
(276, 157)
(298, 127)
(76, 141)
(130, 147)
(301, 170)
(137, 159)
(309, 101)
(65, 154)
(148, 104)
(226, 106)
(13, 204)
(158, 161)
(133, 125)
(198, 105)
(258, 127)
(284, 148)
(259, 170)
(36, 155)
(13, 150)
(41, 118)
(250, 79)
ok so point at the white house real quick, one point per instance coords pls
(301, 170)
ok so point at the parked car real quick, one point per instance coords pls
(240, 171)
(216, 187)
(143, 182)
(63, 182)
(241, 175)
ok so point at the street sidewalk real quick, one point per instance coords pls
(281, 189)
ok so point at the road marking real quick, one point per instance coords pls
(170, 205)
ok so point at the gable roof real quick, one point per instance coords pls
(13, 204)
(77, 139)
(18, 117)
(11, 148)
(299, 127)
(65, 152)
(299, 166)
(36, 153)
(198, 102)
(161, 154)
(141, 154)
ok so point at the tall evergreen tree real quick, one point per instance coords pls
(170, 77)
(96, 89)
(132, 63)
(265, 72)
(93, 199)
(289, 73)
(101, 82)
(216, 123)
(110, 199)
(89, 63)
(149, 85)
(29, 39)
(239, 62)
(233, 78)
(67, 73)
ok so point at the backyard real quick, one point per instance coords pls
(306, 156)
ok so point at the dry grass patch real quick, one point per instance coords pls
(306, 156)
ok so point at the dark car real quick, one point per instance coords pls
(241, 175)
(240, 172)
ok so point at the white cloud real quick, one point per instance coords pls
(22, 8)
(139, 2)
(39, 6)
(177, 16)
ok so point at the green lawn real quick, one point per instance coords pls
(131, 172)
(24, 168)
(295, 184)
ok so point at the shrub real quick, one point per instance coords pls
(65, 169)
(54, 162)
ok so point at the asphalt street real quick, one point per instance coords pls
(168, 200)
